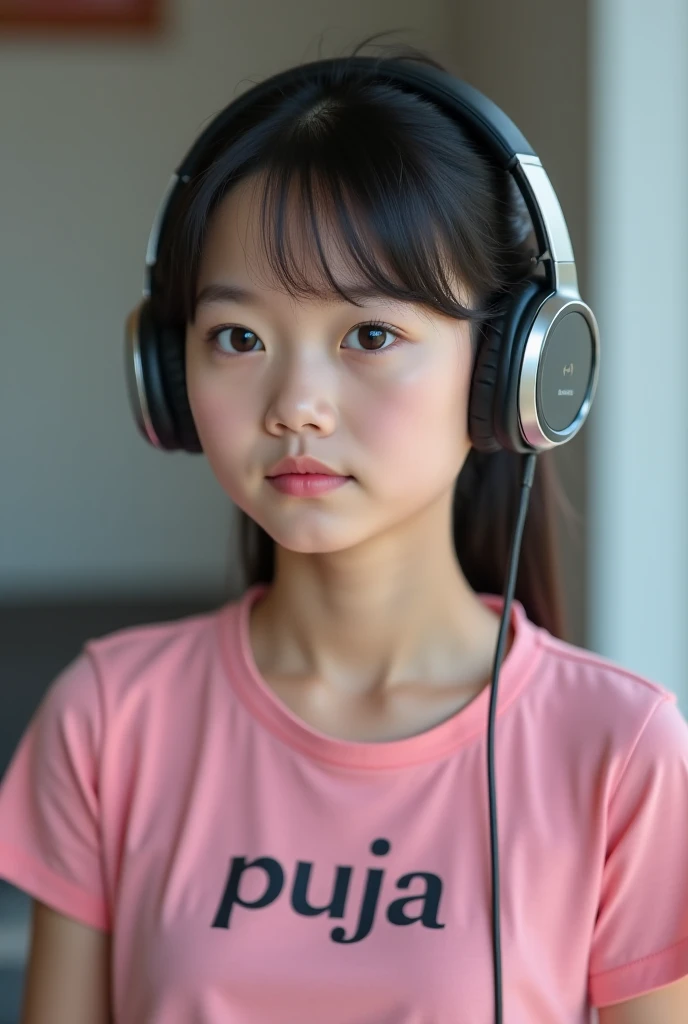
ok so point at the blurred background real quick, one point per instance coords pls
(97, 529)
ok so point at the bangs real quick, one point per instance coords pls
(362, 189)
(323, 236)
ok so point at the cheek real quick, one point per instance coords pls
(418, 425)
(223, 419)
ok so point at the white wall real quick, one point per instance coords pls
(90, 134)
(638, 609)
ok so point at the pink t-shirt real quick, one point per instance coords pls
(253, 870)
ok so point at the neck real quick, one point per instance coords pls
(395, 610)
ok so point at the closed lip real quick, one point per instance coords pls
(302, 464)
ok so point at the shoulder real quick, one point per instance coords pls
(584, 672)
(128, 675)
(603, 713)
(124, 665)
(606, 679)
(153, 657)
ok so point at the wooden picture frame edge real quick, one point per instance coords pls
(144, 16)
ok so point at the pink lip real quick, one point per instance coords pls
(307, 485)
(301, 464)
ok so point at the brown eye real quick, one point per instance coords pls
(235, 340)
(372, 337)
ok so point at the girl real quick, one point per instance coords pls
(277, 812)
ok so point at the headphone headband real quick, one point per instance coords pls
(491, 127)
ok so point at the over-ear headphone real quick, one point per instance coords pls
(537, 365)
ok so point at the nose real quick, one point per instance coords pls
(302, 400)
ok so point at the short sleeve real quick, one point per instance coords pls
(640, 940)
(50, 833)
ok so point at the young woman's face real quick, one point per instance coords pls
(270, 376)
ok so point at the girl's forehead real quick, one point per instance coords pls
(240, 213)
(240, 242)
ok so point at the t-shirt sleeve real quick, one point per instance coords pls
(640, 940)
(50, 822)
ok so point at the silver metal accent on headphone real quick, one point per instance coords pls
(552, 310)
(532, 177)
(565, 299)
(134, 378)
(154, 236)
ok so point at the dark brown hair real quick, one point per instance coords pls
(405, 187)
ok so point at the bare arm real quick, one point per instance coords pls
(666, 1005)
(68, 971)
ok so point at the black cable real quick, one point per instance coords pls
(529, 461)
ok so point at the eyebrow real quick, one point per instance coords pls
(233, 293)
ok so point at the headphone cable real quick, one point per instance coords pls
(529, 462)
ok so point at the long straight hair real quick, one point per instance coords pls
(413, 201)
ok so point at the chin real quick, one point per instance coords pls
(310, 538)
(312, 544)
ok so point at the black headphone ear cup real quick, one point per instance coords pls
(483, 385)
(172, 354)
(493, 408)
(158, 393)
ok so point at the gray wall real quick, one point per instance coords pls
(90, 134)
